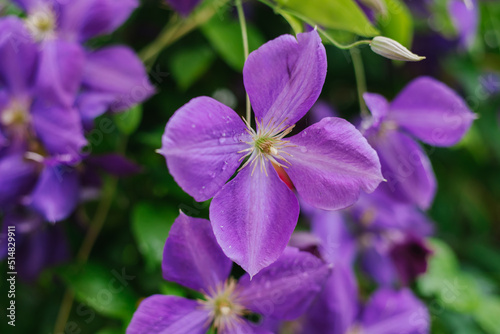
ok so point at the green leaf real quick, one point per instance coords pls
(334, 14)
(294, 23)
(150, 226)
(128, 121)
(487, 315)
(398, 24)
(224, 34)
(172, 288)
(106, 290)
(188, 65)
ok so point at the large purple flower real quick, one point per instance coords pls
(428, 110)
(111, 78)
(193, 258)
(255, 213)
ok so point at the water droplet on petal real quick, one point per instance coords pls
(212, 175)
(222, 140)
(193, 125)
(303, 149)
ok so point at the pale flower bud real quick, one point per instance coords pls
(391, 49)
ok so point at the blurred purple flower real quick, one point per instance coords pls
(183, 7)
(426, 109)
(254, 215)
(112, 78)
(465, 16)
(193, 258)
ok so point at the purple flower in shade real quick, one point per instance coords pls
(391, 238)
(193, 258)
(38, 244)
(254, 214)
(112, 78)
(183, 7)
(427, 110)
(465, 17)
(337, 308)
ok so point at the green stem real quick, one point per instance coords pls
(311, 23)
(244, 33)
(93, 232)
(359, 72)
(177, 28)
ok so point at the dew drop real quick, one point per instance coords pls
(193, 125)
(222, 140)
(229, 246)
(212, 175)
(303, 149)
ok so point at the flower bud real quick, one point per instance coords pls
(391, 49)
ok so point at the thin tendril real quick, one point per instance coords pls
(244, 34)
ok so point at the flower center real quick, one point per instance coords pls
(225, 309)
(16, 114)
(267, 145)
(41, 23)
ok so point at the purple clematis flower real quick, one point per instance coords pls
(193, 258)
(183, 7)
(337, 308)
(329, 163)
(111, 78)
(428, 110)
(465, 17)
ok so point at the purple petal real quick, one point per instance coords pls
(92, 104)
(284, 77)
(17, 176)
(464, 15)
(376, 261)
(18, 54)
(200, 143)
(409, 174)
(379, 107)
(395, 312)
(60, 72)
(431, 111)
(321, 110)
(253, 217)
(192, 256)
(285, 289)
(117, 76)
(183, 7)
(59, 129)
(57, 192)
(336, 307)
(81, 20)
(331, 162)
(337, 243)
(169, 314)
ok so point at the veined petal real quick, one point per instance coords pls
(167, 315)
(183, 7)
(192, 256)
(286, 288)
(57, 192)
(431, 111)
(253, 217)
(60, 72)
(394, 312)
(409, 174)
(331, 162)
(336, 307)
(285, 76)
(59, 129)
(201, 144)
(117, 76)
(19, 56)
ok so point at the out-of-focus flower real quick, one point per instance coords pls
(426, 109)
(183, 7)
(193, 258)
(254, 215)
(465, 17)
(111, 78)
